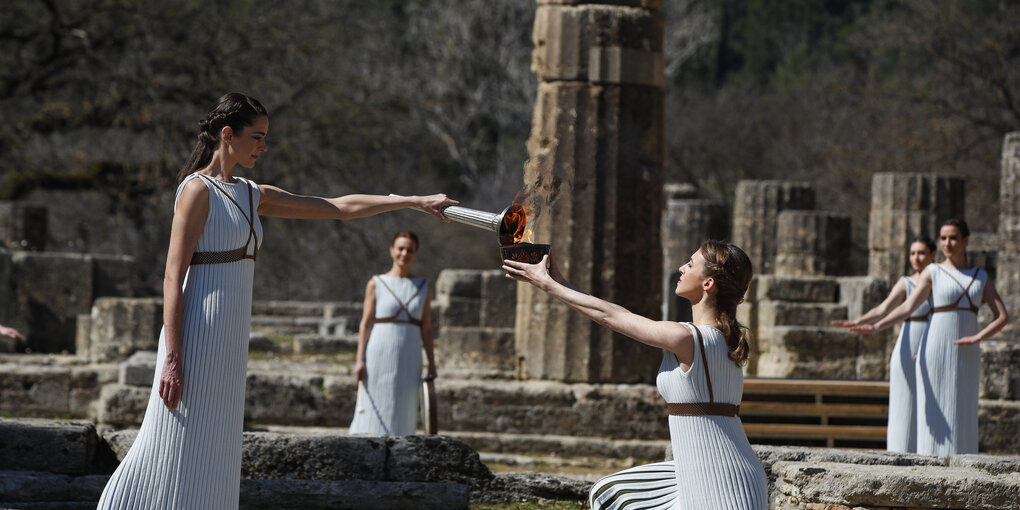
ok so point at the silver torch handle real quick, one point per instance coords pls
(473, 217)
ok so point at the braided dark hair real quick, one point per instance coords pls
(731, 269)
(233, 109)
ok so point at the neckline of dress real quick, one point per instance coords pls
(237, 180)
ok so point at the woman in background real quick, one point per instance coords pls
(188, 450)
(901, 431)
(714, 467)
(949, 359)
(395, 324)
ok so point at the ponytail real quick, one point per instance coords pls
(731, 269)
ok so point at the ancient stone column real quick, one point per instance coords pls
(1007, 280)
(812, 243)
(754, 216)
(686, 222)
(904, 206)
(595, 178)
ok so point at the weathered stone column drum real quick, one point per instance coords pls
(1008, 274)
(904, 206)
(812, 243)
(595, 175)
(754, 216)
(686, 223)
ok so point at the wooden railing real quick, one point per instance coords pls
(809, 411)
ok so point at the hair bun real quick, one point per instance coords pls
(204, 125)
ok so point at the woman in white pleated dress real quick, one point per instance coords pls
(949, 359)
(714, 467)
(901, 431)
(188, 450)
(396, 325)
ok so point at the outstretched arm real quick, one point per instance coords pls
(999, 316)
(896, 296)
(902, 311)
(284, 204)
(662, 334)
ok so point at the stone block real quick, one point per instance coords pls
(139, 369)
(802, 288)
(49, 291)
(686, 223)
(434, 458)
(296, 399)
(940, 195)
(453, 311)
(530, 486)
(460, 283)
(810, 352)
(499, 300)
(862, 293)
(285, 326)
(790, 313)
(36, 490)
(325, 344)
(121, 405)
(994, 464)
(262, 342)
(23, 225)
(82, 332)
(1009, 195)
(477, 348)
(33, 391)
(812, 243)
(63, 447)
(291, 308)
(258, 494)
(998, 423)
(122, 326)
(319, 456)
(757, 203)
(895, 486)
(1000, 367)
(119, 441)
(647, 4)
(599, 44)
(113, 276)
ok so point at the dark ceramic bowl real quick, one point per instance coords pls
(524, 252)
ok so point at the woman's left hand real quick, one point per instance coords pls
(535, 274)
(968, 340)
(867, 329)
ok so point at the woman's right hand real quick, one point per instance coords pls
(359, 371)
(844, 323)
(435, 204)
(171, 381)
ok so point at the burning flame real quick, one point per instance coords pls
(515, 222)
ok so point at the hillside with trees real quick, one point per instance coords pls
(101, 98)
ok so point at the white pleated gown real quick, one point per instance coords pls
(714, 467)
(901, 431)
(948, 374)
(190, 458)
(393, 361)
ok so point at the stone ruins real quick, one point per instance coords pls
(523, 381)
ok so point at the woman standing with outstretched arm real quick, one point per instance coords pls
(949, 359)
(901, 432)
(700, 378)
(188, 450)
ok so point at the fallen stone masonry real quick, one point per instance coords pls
(49, 464)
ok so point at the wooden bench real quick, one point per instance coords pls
(815, 411)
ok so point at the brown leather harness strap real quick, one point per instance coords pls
(956, 306)
(710, 408)
(403, 307)
(224, 257)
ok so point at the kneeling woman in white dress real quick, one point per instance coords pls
(700, 378)
(395, 324)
